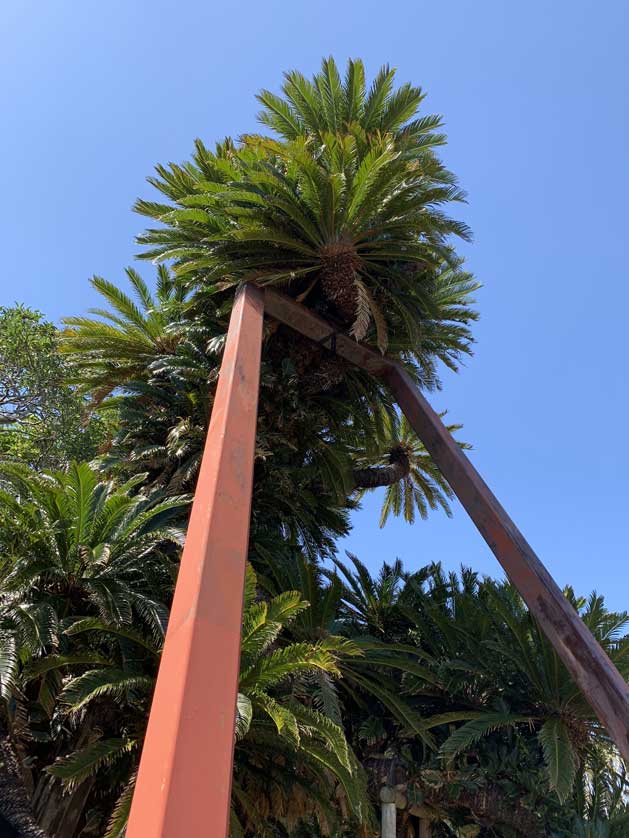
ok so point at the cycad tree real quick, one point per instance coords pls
(81, 544)
(372, 665)
(500, 677)
(290, 757)
(346, 209)
(74, 546)
(394, 457)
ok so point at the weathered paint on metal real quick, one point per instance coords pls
(184, 781)
(594, 673)
(298, 317)
(598, 679)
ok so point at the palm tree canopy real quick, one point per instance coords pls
(78, 541)
(127, 337)
(346, 211)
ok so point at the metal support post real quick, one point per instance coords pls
(184, 781)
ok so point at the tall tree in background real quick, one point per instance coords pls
(43, 420)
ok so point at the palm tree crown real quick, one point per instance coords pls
(345, 208)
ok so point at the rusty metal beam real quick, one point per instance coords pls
(184, 782)
(301, 319)
(598, 679)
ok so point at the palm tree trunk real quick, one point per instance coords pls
(339, 263)
(15, 807)
(376, 476)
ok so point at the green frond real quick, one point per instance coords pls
(251, 584)
(98, 683)
(353, 782)
(474, 730)
(279, 116)
(559, 756)
(120, 302)
(281, 664)
(97, 625)
(399, 708)
(141, 289)
(315, 723)
(9, 662)
(50, 663)
(285, 607)
(354, 89)
(120, 816)
(84, 763)
(375, 102)
(244, 715)
(283, 718)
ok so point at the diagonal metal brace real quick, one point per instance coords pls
(594, 673)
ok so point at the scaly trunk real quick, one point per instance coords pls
(375, 476)
(339, 263)
(15, 807)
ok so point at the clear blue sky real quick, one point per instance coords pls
(535, 97)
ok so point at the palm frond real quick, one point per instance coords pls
(73, 768)
(559, 757)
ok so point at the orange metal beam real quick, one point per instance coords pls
(184, 781)
(594, 673)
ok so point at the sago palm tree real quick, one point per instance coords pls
(505, 674)
(395, 458)
(73, 545)
(372, 665)
(290, 757)
(81, 544)
(345, 209)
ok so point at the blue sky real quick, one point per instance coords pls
(535, 97)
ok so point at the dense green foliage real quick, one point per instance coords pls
(42, 418)
(441, 685)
